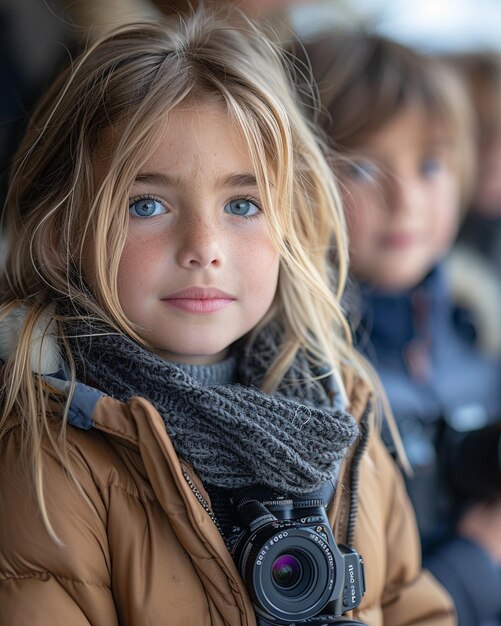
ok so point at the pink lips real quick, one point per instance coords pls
(199, 300)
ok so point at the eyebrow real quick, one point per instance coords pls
(240, 180)
(153, 178)
(233, 180)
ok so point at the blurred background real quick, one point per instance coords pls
(432, 25)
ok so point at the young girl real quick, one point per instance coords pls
(170, 339)
(400, 123)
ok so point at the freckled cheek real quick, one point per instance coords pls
(271, 268)
(259, 262)
(137, 271)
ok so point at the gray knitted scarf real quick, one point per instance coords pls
(233, 435)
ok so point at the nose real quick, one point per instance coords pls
(403, 194)
(199, 243)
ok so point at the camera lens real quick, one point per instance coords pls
(293, 574)
(286, 571)
(290, 572)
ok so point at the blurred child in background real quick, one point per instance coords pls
(401, 127)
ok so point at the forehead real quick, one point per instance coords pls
(411, 127)
(190, 125)
(199, 138)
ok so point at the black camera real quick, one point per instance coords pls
(289, 560)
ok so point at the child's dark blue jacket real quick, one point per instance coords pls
(441, 389)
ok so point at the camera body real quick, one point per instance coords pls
(289, 560)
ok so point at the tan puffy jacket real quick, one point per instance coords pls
(143, 551)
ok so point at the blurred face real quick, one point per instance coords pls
(198, 270)
(402, 202)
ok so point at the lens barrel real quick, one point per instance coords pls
(291, 573)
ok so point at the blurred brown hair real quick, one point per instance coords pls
(482, 73)
(364, 80)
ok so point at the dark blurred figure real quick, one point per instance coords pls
(34, 46)
(401, 126)
(16, 98)
(481, 229)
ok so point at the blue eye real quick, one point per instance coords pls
(430, 166)
(241, 206)
(146, 207)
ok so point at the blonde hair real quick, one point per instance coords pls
(365, 80)
(57, 214)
